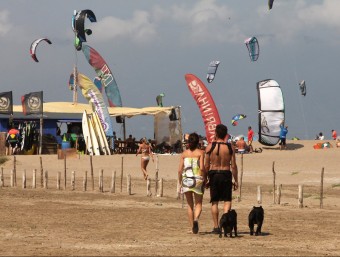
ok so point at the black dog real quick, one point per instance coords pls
(228, 223)
(256, 216)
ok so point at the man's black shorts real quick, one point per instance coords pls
(220, 185)
(282, 141)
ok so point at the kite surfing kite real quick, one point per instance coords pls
(271, 110)
(253, 48)
(236, 118)
(303, 89)
(270, 4)
(78, 26)
(96, 101)
(34, 45)
(206, 104)
(159, 99)
(104, 74)
(212, 70)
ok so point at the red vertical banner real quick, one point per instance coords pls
(206, 104)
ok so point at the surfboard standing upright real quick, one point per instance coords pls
(104, 146)
(87, 135)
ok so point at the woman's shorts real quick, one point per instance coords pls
(220, 185)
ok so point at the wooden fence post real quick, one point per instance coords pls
(58, 180)
(300, 196)
(46, 179)
(259, 195)
(113, 182)
(274, 177)
(129, 184)
(2, 180)
(321, 188)
(101, 186)
(34, 179)
(15, 171)
(65, 176)
(92, 176)
(73, 180)
(41, 173)
(278, 193)
(148, 187)
(24, 179)
(241, 178)
(12, 178)
(160, 188)
(121, 174)
(85, 181)
(156, 176)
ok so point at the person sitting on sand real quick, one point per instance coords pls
(146, 151)
(192, 177)
(241, 145)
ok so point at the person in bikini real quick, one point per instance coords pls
(220, 161)
(146, 151)
(192, 177)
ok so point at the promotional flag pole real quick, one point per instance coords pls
(41, 134)
(41, 125)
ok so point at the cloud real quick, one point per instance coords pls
(326, 13)
(139, 28)
(205, 22)
(5, 25)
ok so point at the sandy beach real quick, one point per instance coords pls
(73, 222)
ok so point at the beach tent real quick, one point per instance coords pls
(166, 127)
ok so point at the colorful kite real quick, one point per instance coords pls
(78, 26)
(34, 45)
(212, 70)
(253, 48)
(303, 88)
(236, 118)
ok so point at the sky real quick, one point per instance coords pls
(150, 45)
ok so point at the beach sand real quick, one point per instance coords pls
(65, 222)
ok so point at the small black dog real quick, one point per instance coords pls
(256, 216)
(228, 223)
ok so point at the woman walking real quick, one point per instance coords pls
(192, 176)
(146, 151)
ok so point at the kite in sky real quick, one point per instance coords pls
(34, 45)
(212, 70)
(303, 88)
(236, 118)
(253, 48)
(78, 26)
(270, 4)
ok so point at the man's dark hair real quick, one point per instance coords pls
(221, 131)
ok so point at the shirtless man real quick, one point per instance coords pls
(241, 145)
(220, 161)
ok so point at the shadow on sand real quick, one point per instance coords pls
(290, 146)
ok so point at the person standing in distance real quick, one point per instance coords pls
(250, 139)
(283, 135)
